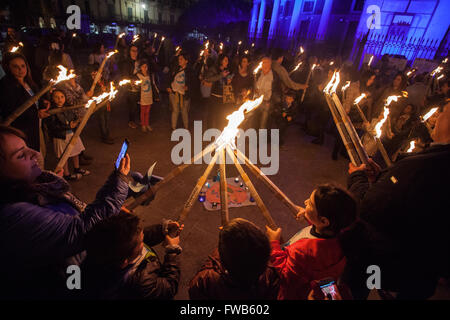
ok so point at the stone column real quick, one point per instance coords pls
(322, 30)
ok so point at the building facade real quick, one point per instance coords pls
(411, 28)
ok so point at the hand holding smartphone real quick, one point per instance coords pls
(122, 153)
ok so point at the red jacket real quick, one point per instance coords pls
(304, 261)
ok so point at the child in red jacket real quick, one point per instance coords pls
(315, 252)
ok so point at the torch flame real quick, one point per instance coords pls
(162, 39)
(436, 71)
(246, 52)
(370, 61)
(121, 35)
(74, 35)
(14, 49)
(297, 66)
(105, 95)
(301, 50)
(21, 44)
(124, 82)
(253, 45)
(138, 82)
(63, 75)
(440, 77)
(429, 114)
(230, 132)
(347, 84)
(257, 68)
(155, 35)
(336, 82)
(207, 44)
(202, 52)
(357, 100)
(221, 46)
(239, 43)
(177, 48)
(412, 145)
(135, 38)
(331, 63)
(110, 54)
(327, 88)
(445, 60)
(381, 122)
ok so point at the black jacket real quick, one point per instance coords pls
(408, 209)
(12, 96)
(59, 123)
(151, 279)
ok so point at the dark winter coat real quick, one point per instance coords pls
(12, 96)
(408, 209)
(150, 279)
(40, 230)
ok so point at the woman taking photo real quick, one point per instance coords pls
(42, 224)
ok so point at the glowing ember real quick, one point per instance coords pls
(124, 82)
(230, 132)
(347, 84)
(429, 114)
(370, 61)
(257, 68)
(357, 100)
(412, 145)
(14, 49)
(62, 76)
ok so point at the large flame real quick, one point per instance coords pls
(381, 122)
(429, 114)
(111, 94)
(327, 88)
(62, 76)
(358, 100)
(412, 145)
(230, 132)
(336, 82)
(257, 68)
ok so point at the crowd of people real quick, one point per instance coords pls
(389, 216)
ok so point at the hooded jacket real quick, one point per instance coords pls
(304, 261)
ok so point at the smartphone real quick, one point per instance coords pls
(329, 288)
(123, 152)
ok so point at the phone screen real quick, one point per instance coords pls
(329, 289)
(123, 152)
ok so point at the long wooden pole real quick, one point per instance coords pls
(98, 75)
(349, 146)
(194, 194)
(223, 189)
(170, 176)
(307, 81)
(265, 212)
(272, 187)
(350, 130)
(59, 110)
(27, 104)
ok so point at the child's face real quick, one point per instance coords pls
(58, 98)
(144, 68)
(289, 100)
(312, 215)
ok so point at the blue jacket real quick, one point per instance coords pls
(35, 241)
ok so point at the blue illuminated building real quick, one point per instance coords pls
(409, 28)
